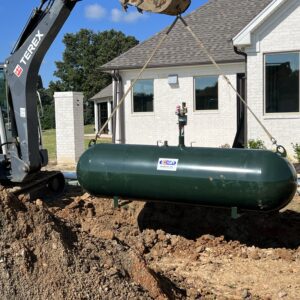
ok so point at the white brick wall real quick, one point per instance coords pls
(207, 128)
(69, 126)
(280, 33)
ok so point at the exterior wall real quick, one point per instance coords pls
(281, 33)
(69, 126)
(205, 128)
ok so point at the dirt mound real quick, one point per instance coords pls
(201, 252)
(44, 257)
(80, 247)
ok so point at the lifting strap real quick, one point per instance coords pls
(279, 149)
(164, 37)
(213, 61)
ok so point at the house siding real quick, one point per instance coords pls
(206, 128)
(280, 33)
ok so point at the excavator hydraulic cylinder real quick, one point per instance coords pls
(247, 179)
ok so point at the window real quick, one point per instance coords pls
(143, 96)
(282, 82)
(206, 93)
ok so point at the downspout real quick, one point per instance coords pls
(120, 116)
(240, 52)
(114, 119)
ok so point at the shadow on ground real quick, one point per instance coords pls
(264, 230)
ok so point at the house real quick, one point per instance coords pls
(257, 45)
(102, 108)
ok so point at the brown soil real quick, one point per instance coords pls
(80, 247)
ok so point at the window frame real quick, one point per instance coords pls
(277, 114)
(132, 99)
(212, 111)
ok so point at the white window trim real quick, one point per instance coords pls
(278, 115)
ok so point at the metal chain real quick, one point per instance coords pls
(98, 134)
(201, 44)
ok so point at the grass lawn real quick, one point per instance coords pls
(49, 140)
(89, 129)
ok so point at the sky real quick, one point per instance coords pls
(98, 15)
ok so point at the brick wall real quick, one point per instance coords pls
(69, 126)
(280, 33)
(206, 128)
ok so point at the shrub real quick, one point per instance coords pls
(256, 144)
(225, 146)
(296, 148)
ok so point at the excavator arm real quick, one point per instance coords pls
(22, 153)
(25, 153)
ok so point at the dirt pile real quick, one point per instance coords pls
(80, 247)
(45, 257)
(202, 252)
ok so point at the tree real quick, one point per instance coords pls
(85, 52)
(48, 114)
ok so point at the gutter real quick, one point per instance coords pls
(160, 66)
(240, 52)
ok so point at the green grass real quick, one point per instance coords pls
(49, 140)
(89, 129)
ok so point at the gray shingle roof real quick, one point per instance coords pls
(105, 93)
(216, 23)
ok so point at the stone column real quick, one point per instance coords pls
(69, 126)
(109, 111)
(96, 115)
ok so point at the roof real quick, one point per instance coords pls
(105, 93)
(216, 23)
(243, 38)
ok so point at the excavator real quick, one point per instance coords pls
(22, 155)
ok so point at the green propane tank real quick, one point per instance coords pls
(243, 178)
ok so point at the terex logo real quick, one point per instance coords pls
(18, 71)
(31, 48)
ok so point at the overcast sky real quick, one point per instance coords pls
(98, 15)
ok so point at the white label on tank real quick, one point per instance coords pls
(22, 112)
(167, 164)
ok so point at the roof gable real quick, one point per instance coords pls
(216, 23)
(243, 38)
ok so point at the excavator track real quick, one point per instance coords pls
(44, 184)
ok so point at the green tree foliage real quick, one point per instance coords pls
(85, 52)
(48, 113)
(48, 118)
